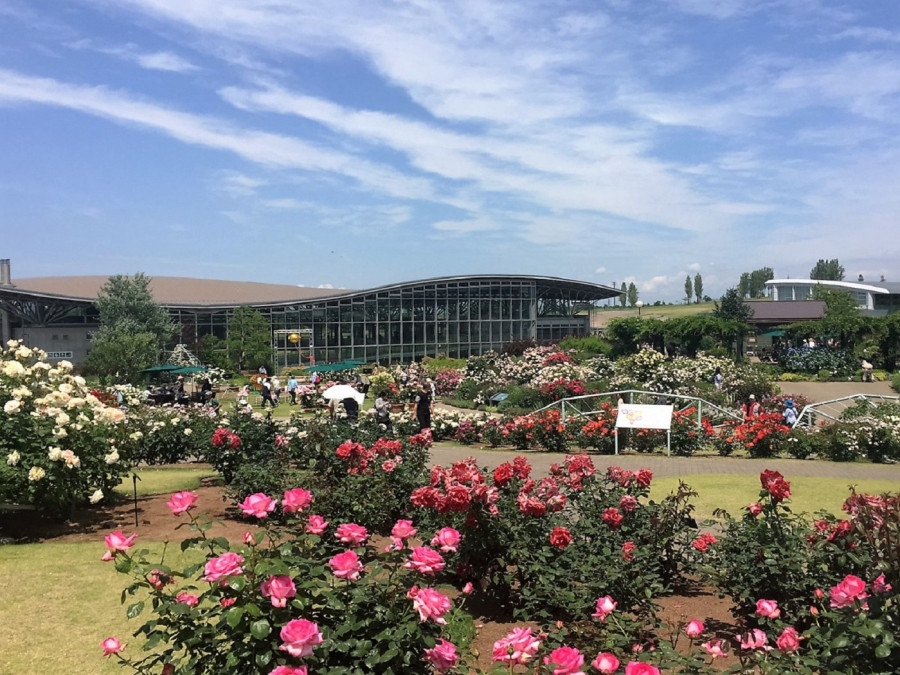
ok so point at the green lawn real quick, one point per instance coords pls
(155, 481)
(733, 493)
(59, 603)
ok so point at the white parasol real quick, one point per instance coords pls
(342, 391)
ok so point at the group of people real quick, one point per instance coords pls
(752, 410)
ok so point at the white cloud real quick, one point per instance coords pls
(165, 61)
(600, 270)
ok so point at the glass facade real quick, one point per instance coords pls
(453, 316)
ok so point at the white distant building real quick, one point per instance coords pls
(875, 299)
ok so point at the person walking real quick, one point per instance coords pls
(718, 379)
(424, 407)
(292, 387)
(266, 393)
(789, 413)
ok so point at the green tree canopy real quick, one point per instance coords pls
(753, 284)
(698, 287)
(827, 270)
(133, 329)
(688, 289)
(624, 297)
(632, 294)
(732, 309)
(249, 341)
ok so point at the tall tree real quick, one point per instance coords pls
(133, 329)
(736, 314)
(688, 289)
(624, 297)
(632, 294)
(842, 318)
(698, 287)
(753, 284)
(249, 341)
(827, 270)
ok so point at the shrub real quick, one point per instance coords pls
(60, 446)
(285, 598)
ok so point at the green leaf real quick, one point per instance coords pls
(237, 583)
(233, 616)
(260, 629)
(135, 609)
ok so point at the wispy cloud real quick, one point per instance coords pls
(162, 60)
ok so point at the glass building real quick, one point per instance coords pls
(453, 316)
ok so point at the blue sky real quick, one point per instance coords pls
(353, 144)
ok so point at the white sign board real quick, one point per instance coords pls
(634, 416)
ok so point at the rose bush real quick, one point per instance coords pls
(60, 446)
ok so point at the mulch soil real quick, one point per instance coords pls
(155, 522)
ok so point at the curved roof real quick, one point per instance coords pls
(183, 292)
(879, 287)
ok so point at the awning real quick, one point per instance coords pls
(772, 333)
(187, 370)
(160, 369)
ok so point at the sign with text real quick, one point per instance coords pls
(635, 416)
(59, 355)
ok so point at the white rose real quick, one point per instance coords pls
(12, 407)
(65, 388)
(23, 352)
(22, 392)
(54, 454)
(62, 419)
(13, 369)
(64, 365)
(60, 433)
(96, 497)
(12, 458)
(12, 344)
(36, 473)
(112, 457)
(136, 436)
(80, 381)
(188, 432)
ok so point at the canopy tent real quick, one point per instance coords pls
(165, 368)
(334, 367)
(772, 333)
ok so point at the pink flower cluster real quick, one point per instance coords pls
(362, 460)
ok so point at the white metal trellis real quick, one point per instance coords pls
(830, 411)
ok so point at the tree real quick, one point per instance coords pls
(688, 289)
(249, 341)
(698, 287)
(624, 297)
(827, 270)
(736, 314)
(133, 329)
(842, 318)
(632, 294)
(753, 284)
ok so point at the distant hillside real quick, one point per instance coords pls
(602, 315)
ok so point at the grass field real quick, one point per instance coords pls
(155, 481)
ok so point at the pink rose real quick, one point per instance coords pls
(226, 565)
(346, 565)
(519, 647)
(605, 605)
(117, 541)
(299, 637)
(249, 539)
(187, 599)
(768, 609)
(316, 525)
(296, 500)
(111, 645)
(467, 589)
(442, 656)
(403, 529)
(788, 641)
(628, 503)
(879, 586)
(425, 560)
(606, 663)
(566, 661)
(181, 501)
(694, 628)
(713, 648)
(447, 539)
(755, 639)
(107, 557)
(640, 668)
(430, 604)
(287, 670)
(278, 589)
(159, 579)
(227, 602)
(755, 509)
(852, 588)
(351, 533)
(259, 505)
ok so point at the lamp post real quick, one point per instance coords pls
(639, 304)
